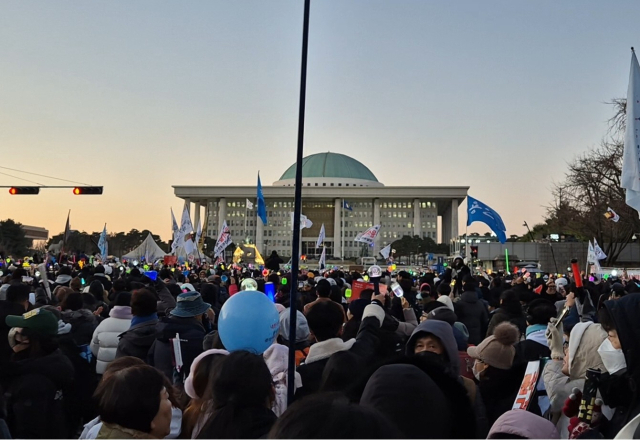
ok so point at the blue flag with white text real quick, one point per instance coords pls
(479, 212)
(346, 205)
(262, 207)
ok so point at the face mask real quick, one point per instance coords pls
(612, 359)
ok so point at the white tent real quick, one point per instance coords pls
(148, 249)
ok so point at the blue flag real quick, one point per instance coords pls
(262, 207)
(479, 212)
(346, 205)
(102, 243)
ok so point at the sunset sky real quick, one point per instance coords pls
(139, 96)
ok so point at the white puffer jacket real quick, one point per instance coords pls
(105, 337)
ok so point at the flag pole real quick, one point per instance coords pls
(295, 258)
(342, 231)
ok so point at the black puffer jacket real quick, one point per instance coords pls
(137, 341)
(474, 315)
(192, 334)
(83, 323)
(35, 392)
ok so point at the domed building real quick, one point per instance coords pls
(338, 191)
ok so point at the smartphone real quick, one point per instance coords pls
(300, 285)
(270, 291)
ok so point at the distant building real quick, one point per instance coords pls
(329, 180)
(35, 233)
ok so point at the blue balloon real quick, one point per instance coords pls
(248, 321)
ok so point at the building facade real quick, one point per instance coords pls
(329, 180)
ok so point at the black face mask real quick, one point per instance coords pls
(433, 359)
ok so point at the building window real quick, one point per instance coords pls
(324, 184)
(339, 184)
(332, 184)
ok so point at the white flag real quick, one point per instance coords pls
(186, 227)
(199, 232)
(177, 242)
(323, 259)
(249, 204)
(189, 246)
(591, 254)
(224, 240)
(600, 255)
(386, 251)
(369, 235)
(304, 221)
(320, 237)
(630, 179)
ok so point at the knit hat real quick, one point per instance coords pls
(498, 349)
(39, 320)
(302, 327)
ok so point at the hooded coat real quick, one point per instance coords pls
(622, 389)
(406, 395)
(443, 331)
(104, 343)
(35, 391)
(474, 315)
(523, 424)
(585, 339)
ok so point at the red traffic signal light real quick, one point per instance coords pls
(24, 190)
(87, 190)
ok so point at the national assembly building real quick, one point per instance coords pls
(339, 192)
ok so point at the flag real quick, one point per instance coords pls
(262, 208)
(323, 259)
(320, 237)
(176, 233)
(224, 240)
(346, 205)
(102, 243)
(369, 235)
(304, 221)
(591, 254)
(249, 204)
(386, 251)
(630, 178)
(611, 215)
(199, 232)
(67, 233)
(600, 255)
(186, 227)
(479, 212)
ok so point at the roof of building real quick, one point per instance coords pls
(331, 165)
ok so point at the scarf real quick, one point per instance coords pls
(142, 319)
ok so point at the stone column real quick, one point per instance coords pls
(196, 216)
(337, 242)
(376, 221)
(417, 222)
(454, 222)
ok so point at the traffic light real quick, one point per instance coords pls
(24, 190)
(474, 252)
(87, 190)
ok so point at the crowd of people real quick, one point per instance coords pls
(89, 351)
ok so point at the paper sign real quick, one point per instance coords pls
(528, 386)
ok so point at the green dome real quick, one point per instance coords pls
(330, 165)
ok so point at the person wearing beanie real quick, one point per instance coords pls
(302, 341)
(444, 290)
(498, 383)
